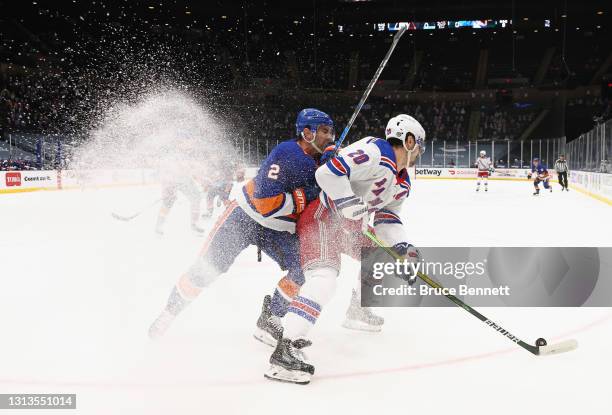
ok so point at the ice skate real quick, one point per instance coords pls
(361, 318)
(269, 327)
(161, 325)
(288, 363)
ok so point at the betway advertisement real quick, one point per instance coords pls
(467, 173)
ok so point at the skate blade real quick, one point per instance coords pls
(360, 326)
(265, 337)
(280, 374)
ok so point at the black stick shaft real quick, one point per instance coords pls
(370, 87)
(456, 300)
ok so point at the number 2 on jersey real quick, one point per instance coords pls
(273, 172)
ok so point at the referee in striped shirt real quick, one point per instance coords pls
(562, 171)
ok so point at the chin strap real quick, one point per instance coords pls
(411, 151)
(312, 143)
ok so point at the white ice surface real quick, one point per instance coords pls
(79, 290)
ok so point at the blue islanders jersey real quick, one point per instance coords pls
(283, 185)
(540, 169)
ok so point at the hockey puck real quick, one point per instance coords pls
(541, 342)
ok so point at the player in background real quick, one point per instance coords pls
(368, 176)
(264, 214)
(485, 168)
(239, 179)
(541, 176)
(216, 185)
(178, 172)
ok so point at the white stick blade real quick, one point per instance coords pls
(557, 348)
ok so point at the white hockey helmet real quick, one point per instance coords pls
(401, 125)
(483, 153)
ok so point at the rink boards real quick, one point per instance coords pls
(596, 185)
(35, 180)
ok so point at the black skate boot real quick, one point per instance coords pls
(288, 362)
(537, 192)
(361, 318)
(269, 327)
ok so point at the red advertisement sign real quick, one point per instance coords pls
(13, 178)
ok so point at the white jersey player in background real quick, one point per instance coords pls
(368, 176)
(178, 172)
(485, 168)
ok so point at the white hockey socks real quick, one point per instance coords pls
(306, 307)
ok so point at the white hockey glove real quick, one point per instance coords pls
(351, 208)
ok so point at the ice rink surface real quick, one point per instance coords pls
(79, 290)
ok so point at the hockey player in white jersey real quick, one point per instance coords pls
(485, 168)
(368, 176)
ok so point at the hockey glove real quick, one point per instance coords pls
(411, 255)
(303, 195)
(299, 200)
(328, 154)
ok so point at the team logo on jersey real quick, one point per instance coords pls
(13, 179)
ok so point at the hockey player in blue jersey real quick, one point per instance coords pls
(264, 214)
(541, 176)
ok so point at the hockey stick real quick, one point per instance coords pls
(541, 348)
(138, 213)
(369, 89)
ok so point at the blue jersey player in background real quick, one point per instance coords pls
(264, 214)
(541, 175)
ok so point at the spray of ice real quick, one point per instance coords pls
(165, 130)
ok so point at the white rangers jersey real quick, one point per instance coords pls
(483, 163)
(367, 169)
